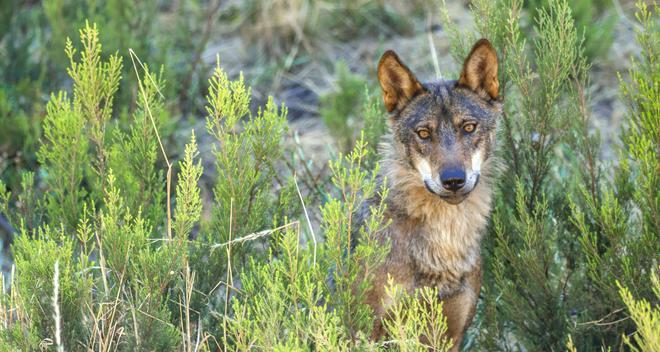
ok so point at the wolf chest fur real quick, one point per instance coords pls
(439, 169)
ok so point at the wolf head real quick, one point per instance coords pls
(443, 132)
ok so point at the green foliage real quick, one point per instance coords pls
(624, 217)
(94, 86)
(557, 242)
(102, 262)
(247, 158)
(592, 19)
(135, 160)
(64, 157)
(188, 201)
(33, 34)
(646, 317)
(143, 27)
(339, 108)
(375, 126)
(111, 278)
(36, 257)
(416, 321)
(289, 303)
(353, 271)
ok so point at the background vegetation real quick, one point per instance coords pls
(154, 198)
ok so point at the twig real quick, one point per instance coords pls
(56, 307)
(599, 321)
(135, 327)
(190, 280)
(434, 55)
(252, 236)
(106, 287)
(160, 142)
(309, 223)
(229, 276)
(199, 332)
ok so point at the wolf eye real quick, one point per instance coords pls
(469, 127)
(424, 134)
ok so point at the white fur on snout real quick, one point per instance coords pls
(424, 169)
(476, 161)
(473, 175)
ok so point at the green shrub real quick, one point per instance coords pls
(114, 253)
(622, 217)
(339, 109)
(561, 222)
(31, 60)
(646, 317)
(374, 125)
(594, 21)
(98, 237)
(249, 194)
(103, 263)
(346, 112)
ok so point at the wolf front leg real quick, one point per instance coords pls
(460, 308)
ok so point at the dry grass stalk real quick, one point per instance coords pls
(57, 316)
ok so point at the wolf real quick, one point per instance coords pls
(439, 166)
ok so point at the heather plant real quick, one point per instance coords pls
(96, 238)
(118, 249)
(250, 196)
(561, 221)
(623, 214)
(33, 34)
(338, 108)
(646, 317)
(289, 302)
(374, 126)
(346, 111)
(115, 268)
(416, 321)
(139, 26)
(593, 20)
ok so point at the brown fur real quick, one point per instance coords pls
(436, 242)
(398, 83)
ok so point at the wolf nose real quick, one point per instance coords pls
(453, 179)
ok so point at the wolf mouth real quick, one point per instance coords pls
(452, 197)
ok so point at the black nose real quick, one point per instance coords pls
(453, 179)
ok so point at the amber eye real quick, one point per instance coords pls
(424, 134)
(469, 127)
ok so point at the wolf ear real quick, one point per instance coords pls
(398, 83)
(480, 70)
